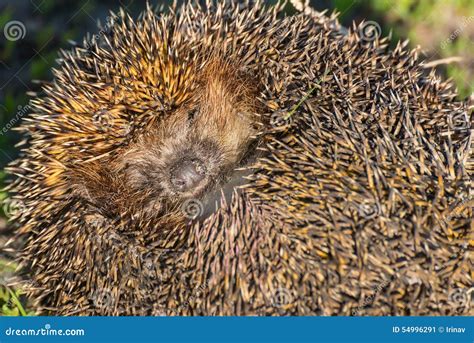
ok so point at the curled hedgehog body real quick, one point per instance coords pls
(228, 160)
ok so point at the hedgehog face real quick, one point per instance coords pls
(195, 147)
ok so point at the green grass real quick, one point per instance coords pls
(11, 299)
(430, 23)
(10, 303)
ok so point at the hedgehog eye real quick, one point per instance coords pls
(192, 114)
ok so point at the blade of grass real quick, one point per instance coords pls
(295, 108)
(17, 302)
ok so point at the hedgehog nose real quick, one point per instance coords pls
(188, 175)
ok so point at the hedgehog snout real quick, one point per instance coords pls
(188, 175)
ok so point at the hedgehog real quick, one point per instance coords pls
(230, 159)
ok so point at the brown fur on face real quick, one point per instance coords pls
(212, 131)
